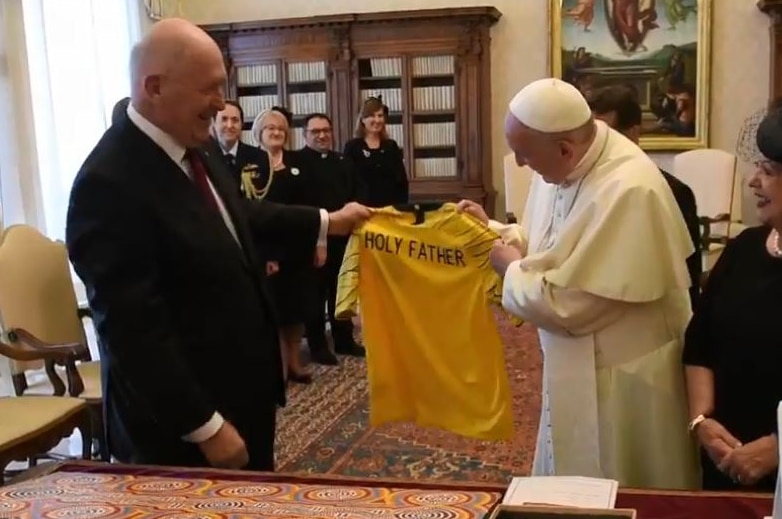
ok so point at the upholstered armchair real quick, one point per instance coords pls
(32, 425)
(39, 310)
(711, 174)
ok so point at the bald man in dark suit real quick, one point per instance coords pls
(191, 360)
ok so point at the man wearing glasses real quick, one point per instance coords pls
(337, 184)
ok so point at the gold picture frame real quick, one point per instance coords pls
(655, 55)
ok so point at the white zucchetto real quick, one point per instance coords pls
(550, 106)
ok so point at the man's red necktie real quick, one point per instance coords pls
(201, 179)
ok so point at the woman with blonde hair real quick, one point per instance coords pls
(378, 159)
(292, 281)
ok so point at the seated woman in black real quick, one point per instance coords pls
(732, 353)
(377, 158)
(293, 283)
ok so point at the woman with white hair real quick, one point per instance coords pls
(292, 281)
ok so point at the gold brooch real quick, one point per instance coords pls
(250, 170)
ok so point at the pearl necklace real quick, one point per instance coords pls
(277, 162)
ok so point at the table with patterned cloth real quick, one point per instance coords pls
(88, 490)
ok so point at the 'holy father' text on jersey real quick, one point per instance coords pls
(415, 249)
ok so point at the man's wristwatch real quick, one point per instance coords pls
(695, 422)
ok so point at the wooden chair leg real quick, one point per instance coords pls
(19, 381)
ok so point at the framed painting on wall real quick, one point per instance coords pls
(660, 48)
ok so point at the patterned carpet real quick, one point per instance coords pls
(324, 428)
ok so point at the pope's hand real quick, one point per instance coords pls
(351, 215)
(474, 209)
(501, 256)
(272, 267)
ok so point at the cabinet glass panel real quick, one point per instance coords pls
(433, 116)
(306, 86)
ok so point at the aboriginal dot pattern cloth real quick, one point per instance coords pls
(93, 495)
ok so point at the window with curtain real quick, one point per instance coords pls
(77, 57)
(12, 143)
(5, 99)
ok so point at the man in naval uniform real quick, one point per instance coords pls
(335, 184)
(598, 265)
(238, 156)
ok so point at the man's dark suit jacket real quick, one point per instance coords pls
(334, 178)
(182, 311)
(685, 198)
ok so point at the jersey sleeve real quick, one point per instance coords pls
(347, 282)
(480, 242)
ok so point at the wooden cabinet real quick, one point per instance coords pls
(431, 67)
(773, 8)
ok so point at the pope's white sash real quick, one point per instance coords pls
(568, 440)
(571, 407)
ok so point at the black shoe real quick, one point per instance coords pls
(299, 378)
(351, 348)
(323, 356)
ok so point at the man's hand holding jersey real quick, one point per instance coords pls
(345, 220)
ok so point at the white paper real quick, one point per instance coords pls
(777, 514)
(572, 491)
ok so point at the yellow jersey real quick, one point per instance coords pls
(434, 355)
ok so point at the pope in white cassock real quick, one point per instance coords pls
(598, 265)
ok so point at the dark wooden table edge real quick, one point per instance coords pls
(38, 471)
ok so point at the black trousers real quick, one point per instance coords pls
(328, 276)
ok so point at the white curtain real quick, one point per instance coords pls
(63, 65)
(18, 181)
(77, 58)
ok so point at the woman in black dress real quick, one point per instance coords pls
(292, 281)
(732, 353)
(378, 159)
